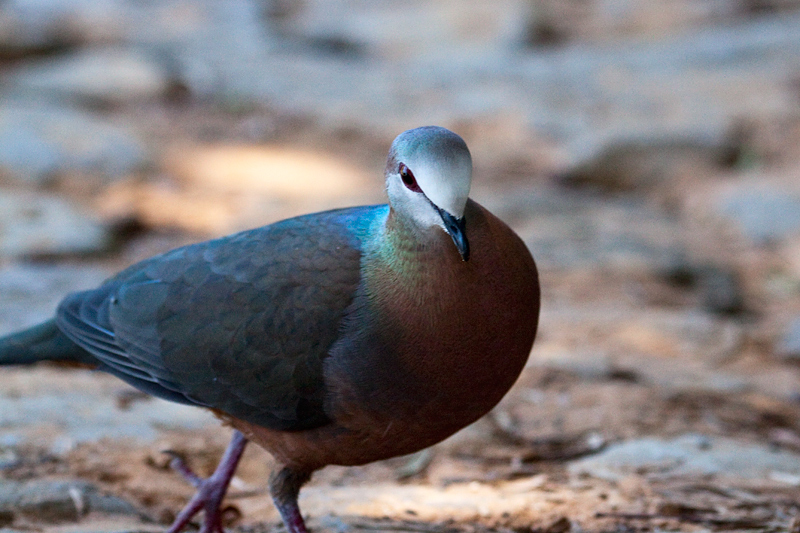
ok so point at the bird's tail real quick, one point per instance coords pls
(44, 342)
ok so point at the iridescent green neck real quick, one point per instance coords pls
(402, 247)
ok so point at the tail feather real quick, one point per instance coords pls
(44, 342)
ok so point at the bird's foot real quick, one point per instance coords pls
(292, 519)
(211, 490)
(284, 486)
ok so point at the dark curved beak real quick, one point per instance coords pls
(456, 228)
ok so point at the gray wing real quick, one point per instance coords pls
(239, 324)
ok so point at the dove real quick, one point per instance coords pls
(334, 338)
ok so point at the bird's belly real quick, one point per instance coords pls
(356, 443)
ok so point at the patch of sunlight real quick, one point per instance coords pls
(217, 189)
(276, 171)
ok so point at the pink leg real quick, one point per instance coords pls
(210, 491)
(284, 486)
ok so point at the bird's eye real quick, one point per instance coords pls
(408, 178)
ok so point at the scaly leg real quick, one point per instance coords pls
(284, 486)
(211, 490)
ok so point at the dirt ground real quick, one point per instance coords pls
(609, 367)
(660, 394)
(508, 472)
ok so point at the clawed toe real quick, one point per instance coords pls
(178, 464)
(210, 491)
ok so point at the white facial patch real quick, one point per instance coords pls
(445, 180)
(441, 164)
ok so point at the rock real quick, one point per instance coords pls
(720, 289)
(31, 292)
(41, 143)
(763, 213)
(31, 28)
(688, 455)
(676, 350)
(45, 225)
(43, 404)
(21, 38)
(25, 156)
(790, 252)
(58, 501)
(102, 502)
(568, 231)
(333, 27)
(640, 166)
(552, 22)
(788, 347)
(560, 525)
(733, 218)
(106, 76)
(8, 459)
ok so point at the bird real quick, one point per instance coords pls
(334, 338)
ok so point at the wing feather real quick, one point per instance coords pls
(241, 324)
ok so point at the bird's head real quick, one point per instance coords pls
(428, 176)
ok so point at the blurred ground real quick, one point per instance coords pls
(647, 152)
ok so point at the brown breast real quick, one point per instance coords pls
(435, 350)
